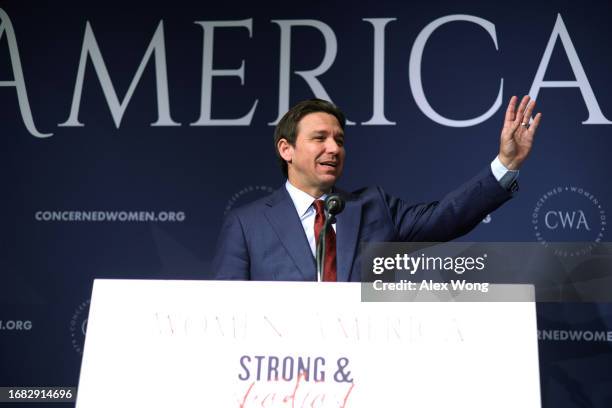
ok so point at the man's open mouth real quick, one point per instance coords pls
(329, 163)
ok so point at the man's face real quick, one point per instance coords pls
(317, 159)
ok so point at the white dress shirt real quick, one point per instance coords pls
(303, 204)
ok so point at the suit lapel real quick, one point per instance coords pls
(286, 223)
(347, 232)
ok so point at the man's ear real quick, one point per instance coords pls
(285, 150)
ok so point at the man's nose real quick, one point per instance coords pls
(331, 145)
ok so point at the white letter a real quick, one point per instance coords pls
(18, 82)
(596, 117)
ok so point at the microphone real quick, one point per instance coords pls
(334, 204)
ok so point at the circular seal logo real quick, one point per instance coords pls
(252, 192)
(569, 214)
(78, 326)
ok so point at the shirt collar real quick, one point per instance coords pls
(301, 200)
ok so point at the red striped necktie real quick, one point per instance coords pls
(329, 271)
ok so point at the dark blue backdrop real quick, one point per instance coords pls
(196, 172)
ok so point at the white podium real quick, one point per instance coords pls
(185, 344)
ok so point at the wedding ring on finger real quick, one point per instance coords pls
(525, 124)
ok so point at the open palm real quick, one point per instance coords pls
(517, 134)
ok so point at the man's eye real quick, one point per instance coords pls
(340, 142)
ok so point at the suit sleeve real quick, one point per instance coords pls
(232, 260)
(453, 216)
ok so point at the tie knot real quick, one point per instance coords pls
(318, 206)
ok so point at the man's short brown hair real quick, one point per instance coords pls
(287, 127)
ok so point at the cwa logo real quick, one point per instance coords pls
(569, 214)
(78, 326)
(566, 220)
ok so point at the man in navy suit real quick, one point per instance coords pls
(274, 239)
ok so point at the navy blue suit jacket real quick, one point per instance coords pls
(265, 240)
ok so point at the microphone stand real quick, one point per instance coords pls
(320, 252)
